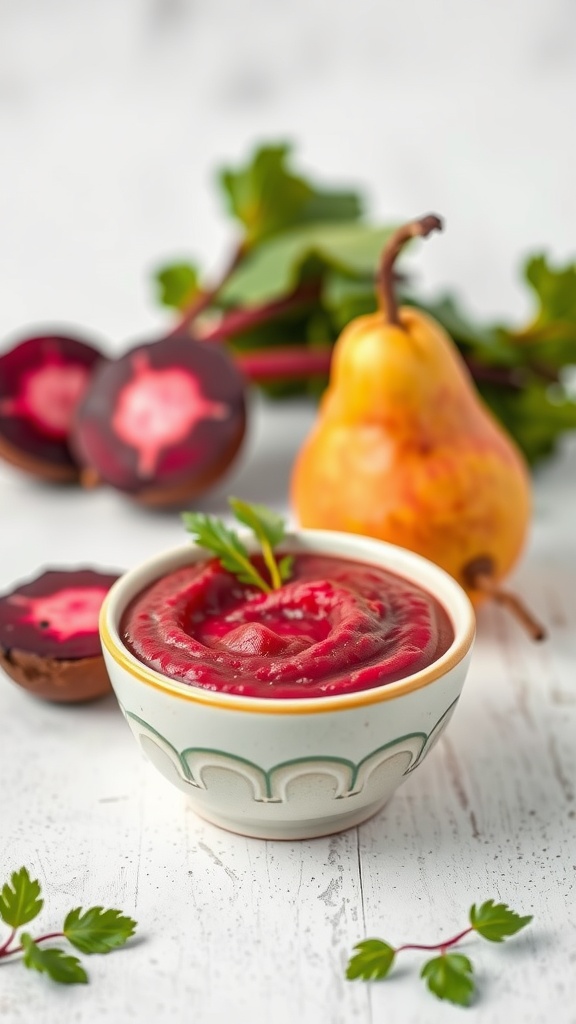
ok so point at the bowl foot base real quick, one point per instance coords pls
(290, 830)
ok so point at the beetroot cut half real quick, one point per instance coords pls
(42, 380)
(49, 641)
(163, 422)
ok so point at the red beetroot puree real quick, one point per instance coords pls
(336, 627)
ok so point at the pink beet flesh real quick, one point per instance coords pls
(158, 409)
(163, 415)
(55, 615)
(41, 383)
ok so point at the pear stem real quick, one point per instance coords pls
(385, 280)
(478, 576)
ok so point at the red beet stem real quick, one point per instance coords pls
(239, 320)
(206, 296)
(285, 364)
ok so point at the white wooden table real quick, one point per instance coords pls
(246, 931)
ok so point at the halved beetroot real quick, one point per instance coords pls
(42, 379)
(49, 641)
(162, 422)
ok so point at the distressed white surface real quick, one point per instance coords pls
(241, 930)
(112, 115)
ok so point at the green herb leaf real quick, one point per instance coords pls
(269, 529)
(450, 977)
(275, 268)
(267, 197)
(268, 526)
(536, 415)
(263, 195)
(285, 567)
(97, 930)
(347, 297)
(495, 921)
(548, 344)
(178, 284)
(65, 969)
(555, 290)
(331, 206)
(94, 931)
(372, 962)
(213, 534)
(520, 375)
(20, 900)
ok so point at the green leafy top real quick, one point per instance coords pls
(296, 236)
(523, 375)
(276, 267)
(178, 284)
(212, 533)
(267, 197)
(555, 290)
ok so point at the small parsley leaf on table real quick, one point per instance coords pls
(372, 962)
(495, 921)
(449, 976)
(94, 930)
(20, 899)
(58, 965)
(97, 930)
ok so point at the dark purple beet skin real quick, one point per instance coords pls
(42, 380)
(164, 420)
(55, 616)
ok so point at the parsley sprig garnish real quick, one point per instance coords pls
(91, 931)
(269, 529)
(449, 975)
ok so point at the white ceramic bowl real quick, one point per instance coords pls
(296, 768)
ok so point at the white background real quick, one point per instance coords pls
(113, 116)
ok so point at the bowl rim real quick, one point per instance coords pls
(403, 562)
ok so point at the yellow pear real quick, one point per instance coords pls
(405, 450)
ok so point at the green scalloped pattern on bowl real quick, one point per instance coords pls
(301, 781)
